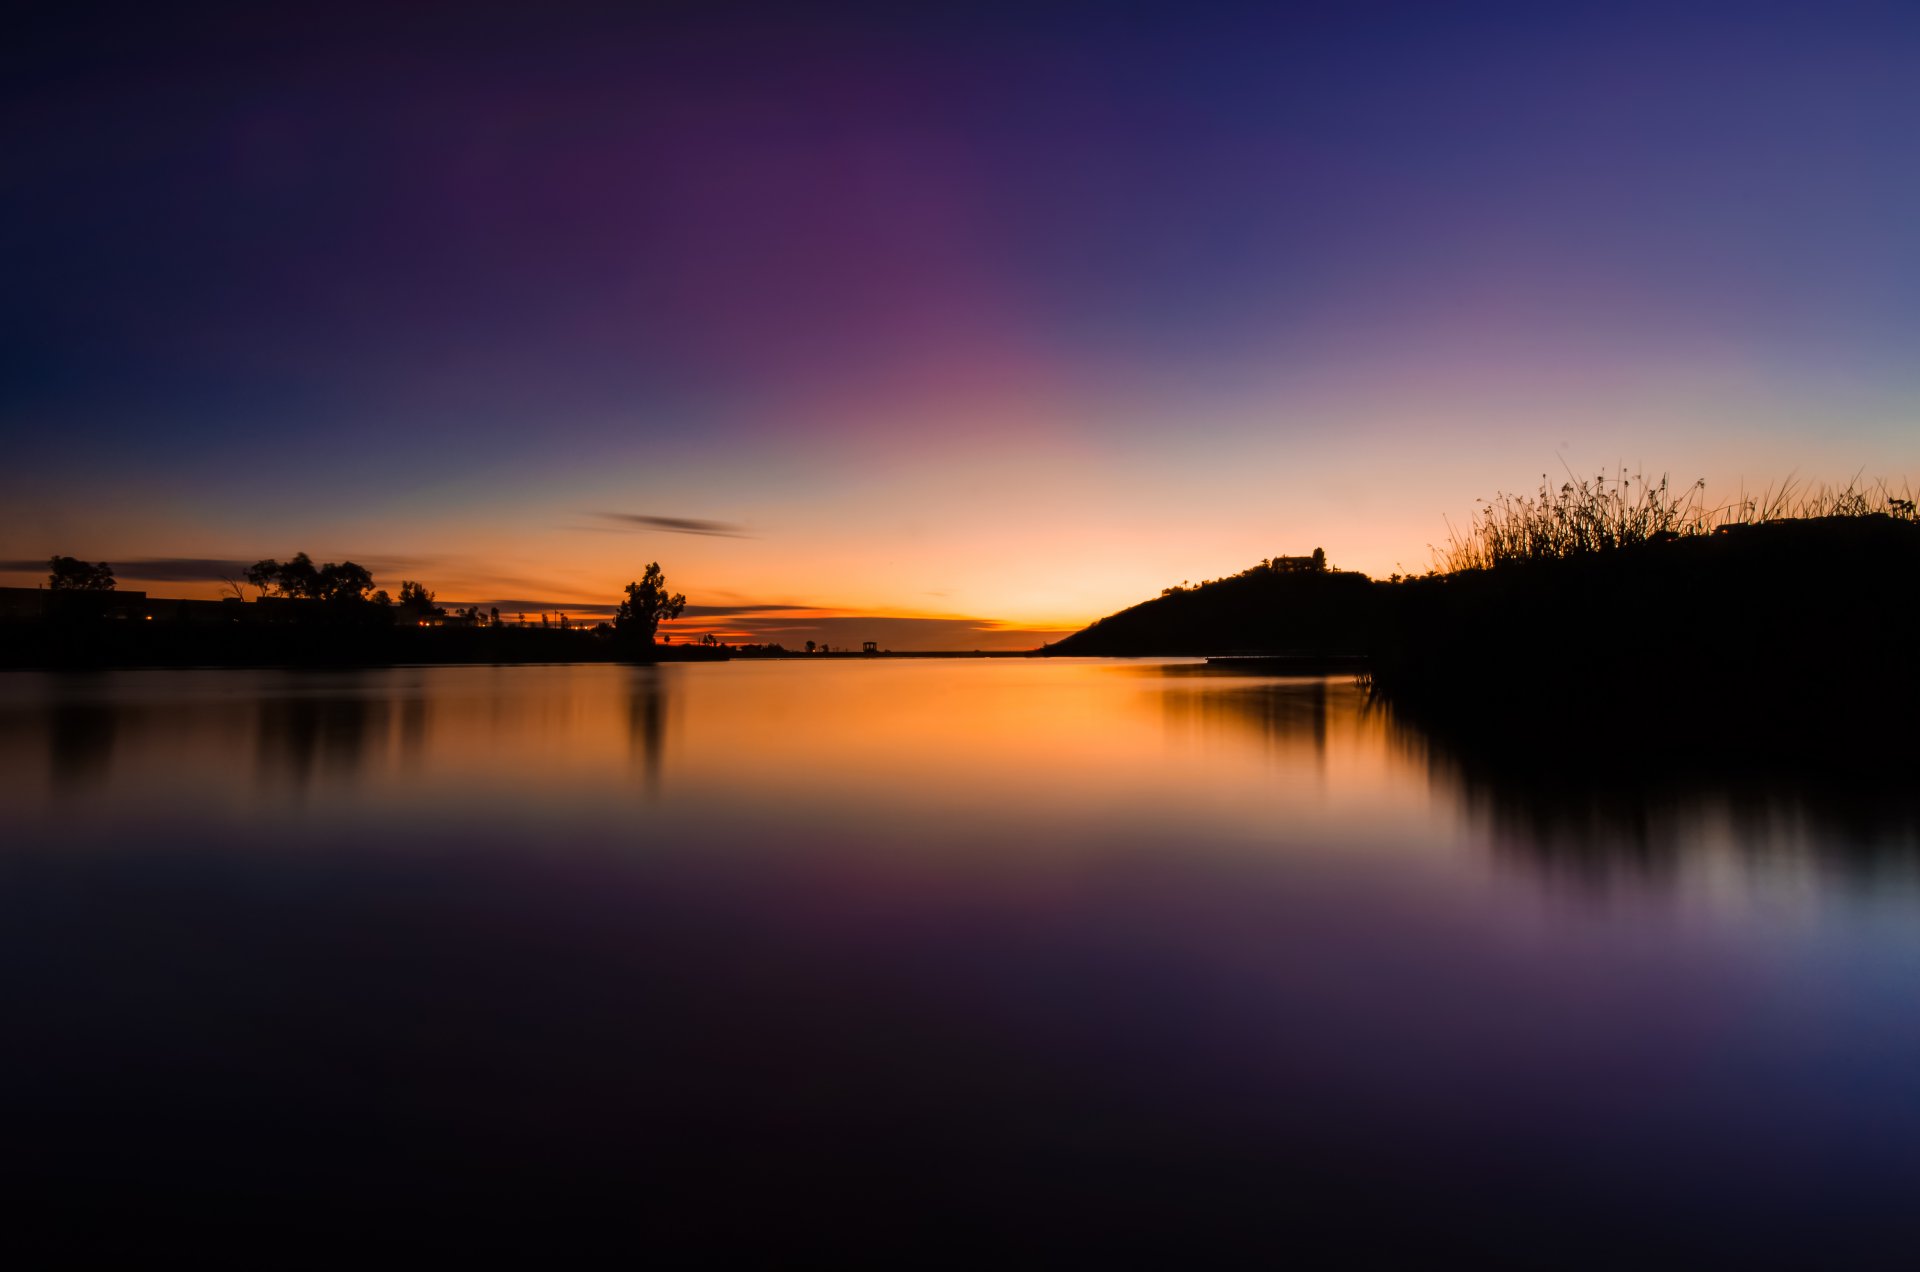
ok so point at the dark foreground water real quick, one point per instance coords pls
(929, 960)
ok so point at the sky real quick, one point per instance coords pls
(944, 327)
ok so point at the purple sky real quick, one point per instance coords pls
(967, 315)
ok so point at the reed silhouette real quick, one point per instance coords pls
(1781, 637)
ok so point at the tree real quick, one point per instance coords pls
(295, 578)
(66, 574)
(298, 579)
(648, 604)
(346, 581)
(416, 602)
(265, 575)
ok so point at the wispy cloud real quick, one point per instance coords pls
(675, 525)
(727, 611)
(155, 569)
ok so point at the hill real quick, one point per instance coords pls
(1794, 636)
(1281, 607)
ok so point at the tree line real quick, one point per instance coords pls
(648, 602)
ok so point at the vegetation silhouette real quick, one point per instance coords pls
(648, 603)
(329, 615)
(416, 603)
(298, 579)
(1613, 512)
(66, 574)
(1753, 634)
(1614, 588)
(1607, 614)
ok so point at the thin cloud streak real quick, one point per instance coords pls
(212, 569)
(676, 525)
(723, 611)
(154, 569)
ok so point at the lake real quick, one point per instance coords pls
(918, 957)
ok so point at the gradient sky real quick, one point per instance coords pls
(947, 328)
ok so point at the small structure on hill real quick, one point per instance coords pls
(1315, 564)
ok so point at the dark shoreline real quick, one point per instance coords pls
(113, 644)
(143, 651)
(1796, 639)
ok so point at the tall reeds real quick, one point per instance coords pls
(1606, 513)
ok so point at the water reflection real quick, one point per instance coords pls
(333, 727)
(1604, 831)
(1289, 712)
(1612, 813)
(1046, 740)
(1095, 951)
(80, 732)
(1595, 816)
(414, 720)
(647, 723)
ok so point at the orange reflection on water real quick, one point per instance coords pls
(1040, 746)
(959, 760)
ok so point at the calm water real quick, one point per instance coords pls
(934, 956)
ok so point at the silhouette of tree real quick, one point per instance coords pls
(298, 579)
(346, 581)
(648, 604)
(66, 574)
(416, 602)
(265, 575)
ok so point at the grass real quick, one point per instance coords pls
(1586, 517)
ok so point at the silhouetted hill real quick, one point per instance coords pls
(1260, 611)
